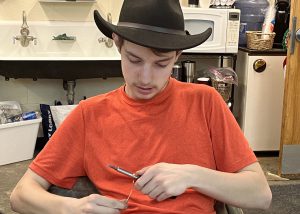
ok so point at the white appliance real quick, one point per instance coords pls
(225, 28)
(259, 98)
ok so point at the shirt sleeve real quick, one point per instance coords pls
(61, 161)
(231, 149)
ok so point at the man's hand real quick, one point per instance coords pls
(95, 204)
(163, 180)
(41, 201)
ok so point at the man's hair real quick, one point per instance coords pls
(154, 50)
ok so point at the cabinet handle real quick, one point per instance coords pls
(259, 65)
(295, 35)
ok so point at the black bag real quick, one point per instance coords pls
(47, 121)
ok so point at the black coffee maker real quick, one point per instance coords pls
(282, 19)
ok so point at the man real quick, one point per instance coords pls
(181, 140)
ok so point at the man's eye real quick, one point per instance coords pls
(134, 61)
(161, 65)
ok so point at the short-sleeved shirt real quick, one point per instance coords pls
(184, 124)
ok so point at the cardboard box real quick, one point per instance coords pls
(17, 140)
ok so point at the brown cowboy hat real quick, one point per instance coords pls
(155, 24)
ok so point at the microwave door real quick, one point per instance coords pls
(198, 22)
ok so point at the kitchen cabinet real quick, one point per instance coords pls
(259, 97)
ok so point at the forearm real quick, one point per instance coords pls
(246, 189)
(31, 197)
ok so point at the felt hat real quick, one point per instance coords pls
(157, 24)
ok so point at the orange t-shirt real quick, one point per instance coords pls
(184, 124)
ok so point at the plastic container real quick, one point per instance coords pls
(223, 88)
(269, 22)
(252, 16)
(17, 140)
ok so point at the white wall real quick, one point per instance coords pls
(70, 11)
(31, 93)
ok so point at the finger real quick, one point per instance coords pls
(142, 171)
(163, 196)
(147, 176)
(142, 181)
(107, 202)
(155, 192)
(149, 187)
(125, 202)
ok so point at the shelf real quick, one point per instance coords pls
(68, 1)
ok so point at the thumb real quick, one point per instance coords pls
(142, 171)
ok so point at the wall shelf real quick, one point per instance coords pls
(68, 1)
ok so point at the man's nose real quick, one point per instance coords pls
(145, 76)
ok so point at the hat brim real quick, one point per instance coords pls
(151, 39)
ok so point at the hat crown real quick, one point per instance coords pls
(158, 13)
(155, 24)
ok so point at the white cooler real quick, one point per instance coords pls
(17, 140)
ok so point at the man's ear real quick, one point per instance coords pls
(117, 41)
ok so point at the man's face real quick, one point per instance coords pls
(146, 73)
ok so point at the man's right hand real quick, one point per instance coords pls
(95, 204)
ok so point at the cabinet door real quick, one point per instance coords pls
(263, 106)
(290, 137)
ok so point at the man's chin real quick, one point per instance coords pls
(145, 97)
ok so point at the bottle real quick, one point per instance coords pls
(30, 115)
(189, 68)
(269, 21)
(282, 19)
(252, 16)
(24, 116)
(177, 72)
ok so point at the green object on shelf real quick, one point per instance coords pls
(285, 39)
(64, 37)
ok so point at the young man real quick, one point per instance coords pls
(179, 138)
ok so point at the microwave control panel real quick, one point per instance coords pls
(233, 29)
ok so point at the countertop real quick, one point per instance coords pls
(271, 52)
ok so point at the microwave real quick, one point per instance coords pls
(225, 25)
